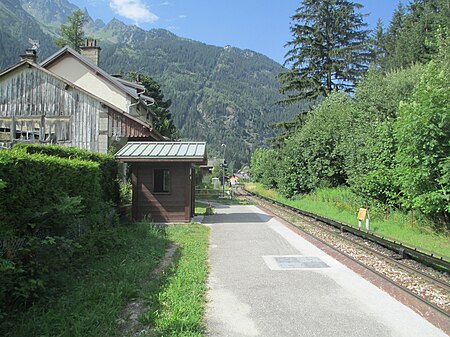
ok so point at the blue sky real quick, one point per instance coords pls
(260, 25)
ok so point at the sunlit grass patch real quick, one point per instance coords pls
(181, 298)
(201, 208)
(341, 204)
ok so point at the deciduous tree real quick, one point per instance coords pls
(422, 132)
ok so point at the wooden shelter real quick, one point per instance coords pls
(163, 179)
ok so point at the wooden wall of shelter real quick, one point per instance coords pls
(36, 106)
(174, 206)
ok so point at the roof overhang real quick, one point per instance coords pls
(163, 152)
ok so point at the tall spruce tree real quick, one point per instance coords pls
(72, 34)
(329, 50)
(411, 35)
(378, 44)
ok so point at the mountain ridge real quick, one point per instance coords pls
(222, 95)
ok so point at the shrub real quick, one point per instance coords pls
(314, 155)
(46, 204)
(108, 165)
(263, 167)
(422, 132)
(35, 183)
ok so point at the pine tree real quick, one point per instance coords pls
(411, 37)
(72, 34)
(163, 122)
(379, 43)
(329, 50)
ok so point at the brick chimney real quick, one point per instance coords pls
(91, 51)
(30, 55)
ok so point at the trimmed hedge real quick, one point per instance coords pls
(52, 201)
(36, 182)
(108, 164)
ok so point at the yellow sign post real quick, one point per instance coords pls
(362, 214)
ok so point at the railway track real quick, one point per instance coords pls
(425, 278)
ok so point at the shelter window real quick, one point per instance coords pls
(161, 181)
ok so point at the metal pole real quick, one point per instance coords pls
(223, 171)
(223, 181)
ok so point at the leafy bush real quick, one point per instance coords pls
(35, 183)
(108, 165)
(423, 156)
(314, 155)
(370, 144)
(263, 167)
(48, 205)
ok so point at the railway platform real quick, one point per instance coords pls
(266, 280)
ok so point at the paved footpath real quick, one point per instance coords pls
(265, 280)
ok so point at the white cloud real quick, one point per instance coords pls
(165, 3)
(182, 16)
(133, 9)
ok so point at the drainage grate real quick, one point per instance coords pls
(293, 262)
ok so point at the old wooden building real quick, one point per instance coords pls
(68, 100)
(163, 178)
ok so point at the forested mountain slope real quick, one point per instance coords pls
(219, 94)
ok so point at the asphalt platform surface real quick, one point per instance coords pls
(265, 280)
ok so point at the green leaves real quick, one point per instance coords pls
(50, 196)
(72, 34)
(423, 155)
(263, 168)
(163, 122)
(313, 156)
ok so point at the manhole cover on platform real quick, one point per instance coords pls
(293, 262)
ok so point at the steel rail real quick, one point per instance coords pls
(390, 259)
(379, 274)
(421, 255)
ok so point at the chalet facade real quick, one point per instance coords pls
(68, 100)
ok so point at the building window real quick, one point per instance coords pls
(5, 129)
(161, 181)
(57, 129)
(28, 128)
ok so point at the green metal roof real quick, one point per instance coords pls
(163, 151)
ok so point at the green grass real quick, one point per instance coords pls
(96, 291)
(343, 205)
(179, 305)
(235, 200)
(200, 208)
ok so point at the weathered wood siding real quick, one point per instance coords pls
(30, 92)
(30, 95)
(119, 125)
(174, 206)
